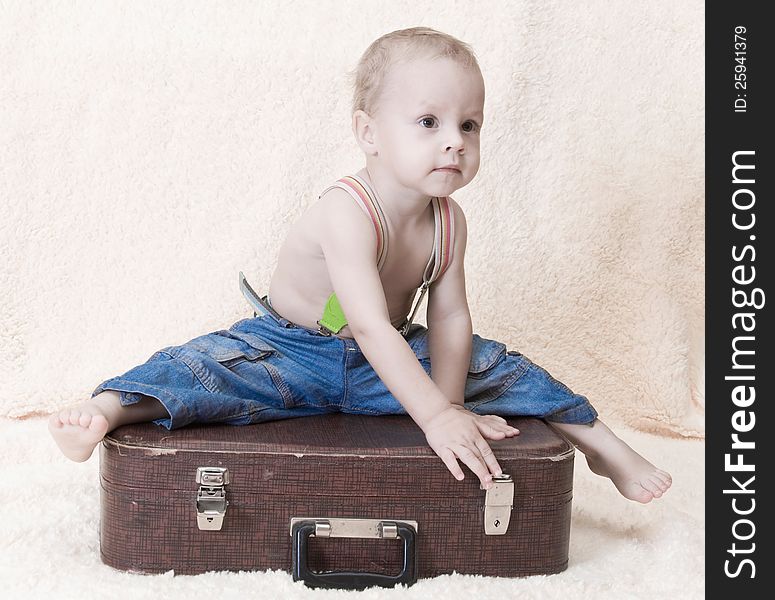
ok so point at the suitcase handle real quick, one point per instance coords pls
(302, 530)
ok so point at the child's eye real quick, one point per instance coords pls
(470, 126)
(428, 122)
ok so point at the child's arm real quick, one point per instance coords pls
(348, 242)
(449, 320)
(450, 341)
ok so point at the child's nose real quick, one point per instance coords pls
(454, 142)
(456, 147)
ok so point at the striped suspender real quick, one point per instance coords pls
(364, 196)
(444, 234)
(444, 238)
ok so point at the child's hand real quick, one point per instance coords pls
(457, 433)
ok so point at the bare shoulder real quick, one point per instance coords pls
(337, 215)
(334, 213)
(339, 202)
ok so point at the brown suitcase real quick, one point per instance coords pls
(371, 503)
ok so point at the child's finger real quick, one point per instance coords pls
(495, 431)
(497, 418)
(471, 457)
(502, 424)
(489, 457)
(448, 457)
(492, 434)
(504, 427)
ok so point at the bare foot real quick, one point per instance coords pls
(608, 455)
(78, 430)
(635, 477)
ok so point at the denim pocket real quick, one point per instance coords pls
(239, 366)
(229, 348)
(485, 354)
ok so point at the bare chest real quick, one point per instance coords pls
(407, 257)
(300, 285)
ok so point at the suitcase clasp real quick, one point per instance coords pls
(498, 502)
(211, 500)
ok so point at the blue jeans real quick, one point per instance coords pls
(267, 368)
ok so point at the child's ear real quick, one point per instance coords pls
(364, 130)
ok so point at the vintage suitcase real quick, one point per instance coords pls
(338, 500)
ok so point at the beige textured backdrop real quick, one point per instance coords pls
(149, 152)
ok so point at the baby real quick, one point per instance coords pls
(335, 332)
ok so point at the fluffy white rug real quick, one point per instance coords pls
(49, 538)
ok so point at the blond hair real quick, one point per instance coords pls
(403, 44)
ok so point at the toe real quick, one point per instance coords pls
(635, 490)
(84, 420)
(664, 479)
(652, 484)
(75, 416)
(98, 422)
(641, 494)
(55, 420)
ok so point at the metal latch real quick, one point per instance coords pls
(498, 502)
(211, 500)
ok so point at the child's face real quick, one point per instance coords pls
(428, 117)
